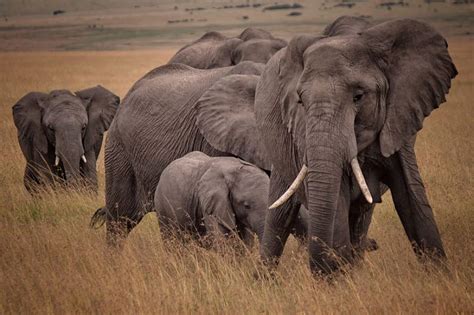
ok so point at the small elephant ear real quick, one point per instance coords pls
(419, 69)
(346, 25)
(101, 108)
(214, 201)
(27, 115)
(226, 118)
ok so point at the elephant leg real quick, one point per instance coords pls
(413, 209)
(122, 210)
(341, 236)
(278, 223)
(360, 217)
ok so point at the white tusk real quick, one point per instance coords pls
(56, 161)
(361, 180)
(83, 157)
(292, 189)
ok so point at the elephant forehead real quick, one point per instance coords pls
(342, 49)
(65, 102)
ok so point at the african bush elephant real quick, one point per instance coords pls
(60, 134)
(212, 196)
(344, 109)
(214, 50)
(204, 195)
(163, 117)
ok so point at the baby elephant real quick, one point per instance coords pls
(216, 196)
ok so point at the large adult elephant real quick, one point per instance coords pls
(214, 50)
(163, 117)
(60, 134)
(344, 110)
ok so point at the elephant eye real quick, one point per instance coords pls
(246, 205)
(357, 96)
(83, 126)
(50, 127)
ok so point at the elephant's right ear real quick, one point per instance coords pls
(226, 118)
(27, 115)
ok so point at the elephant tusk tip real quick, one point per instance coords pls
(369, 199)
(83, 157)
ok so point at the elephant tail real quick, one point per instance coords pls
(98, 218)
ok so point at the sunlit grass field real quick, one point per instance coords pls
(52, 262)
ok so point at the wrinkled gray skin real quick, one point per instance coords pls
(164, 117)
(205, 195)
(212, 196)
(359, 91)
(214, 50)
(160, 121)
(65, 125)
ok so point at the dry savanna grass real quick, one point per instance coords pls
(52, 262)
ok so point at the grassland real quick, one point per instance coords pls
(52, 262)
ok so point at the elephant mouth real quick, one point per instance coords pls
(304, 171)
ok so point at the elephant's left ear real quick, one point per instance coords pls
(101, 108)
(419, 69)
(225, 117)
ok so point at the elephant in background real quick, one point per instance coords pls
(214, 196)
(60, 134)
(344, 109)
(214, 50)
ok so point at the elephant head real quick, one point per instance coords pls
(214, 50)
(232, 195)
(355, 89)
(61, 133)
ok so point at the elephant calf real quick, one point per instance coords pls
(213, 196)
(60, 134)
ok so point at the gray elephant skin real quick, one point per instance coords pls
(60, 134)
(214, 50)
(352, 98)
(206, 196)
(211, 197)
(347, 104)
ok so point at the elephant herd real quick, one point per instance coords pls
(253, 135)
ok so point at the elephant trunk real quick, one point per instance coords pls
(327, 154)
(70, 151)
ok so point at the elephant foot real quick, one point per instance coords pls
(369, 245)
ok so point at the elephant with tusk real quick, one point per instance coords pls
(344, 109)
(60, 134)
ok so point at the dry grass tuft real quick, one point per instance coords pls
(51, 262)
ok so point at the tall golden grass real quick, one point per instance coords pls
(52, 262)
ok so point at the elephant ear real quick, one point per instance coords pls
(419, 69)
(101, 108)
(226, 118)
(213, 195)
(290, 69)
(346, 25)
(27, 115)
